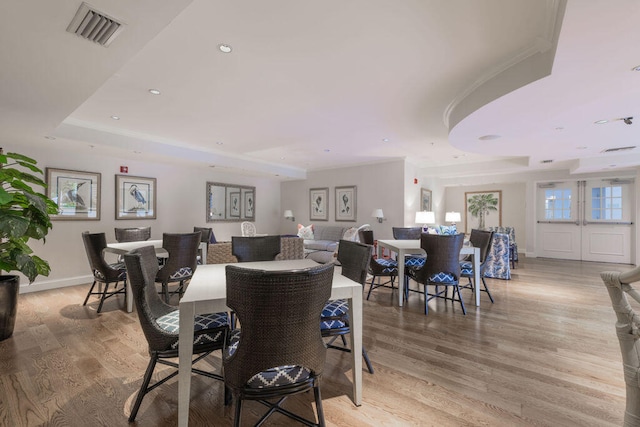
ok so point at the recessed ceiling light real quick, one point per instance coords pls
(137, 152)
(218, 143)
(154, 91)
(385, 139)
(281, 158)
(115, 117)
(636, 68)
(50, 138)
(489, 137)
(600, 122)
(225, 48)
(326, 150)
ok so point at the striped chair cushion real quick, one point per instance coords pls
(442, 278)
(466, 268)
(170, 323)
(388, 265)
(414, 262)
(182, 273)
(337, 308)
(273, 377)
(117, 266)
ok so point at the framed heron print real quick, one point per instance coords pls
(135, 197)
(76, 193)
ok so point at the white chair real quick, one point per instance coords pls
(248, 229)
(628, 331)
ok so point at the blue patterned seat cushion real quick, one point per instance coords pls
(333, 309)
(181, 273)
(414, 262)
(272, 377)
(466, 268)
(170, 323)
(442, 278)
(116, 266)
(388, 265)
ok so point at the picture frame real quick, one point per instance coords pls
(482, 209)
(248, 205)
(346, 203)
(135, 197)
(425, 200)
(234, 204)
(319, 204)
(76, 193)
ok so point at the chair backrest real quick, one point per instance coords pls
(443, 255)
(183, 252)
(248, 229)
(206, 234)
(142, 268)
(257, 248)
(354, 257)
(260, 299)
(132, 234)
(406, 233)
(94, 244)
(619, 286)
(505, 230)
(366, 237)
(481, 239)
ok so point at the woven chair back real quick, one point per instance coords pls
(406, 233)
(481, 239)
(94, 244)
(257, 248)
(443, 255)
(183, 252)
(279, 312)
(354, 258)
(206, 234)
(133, 234)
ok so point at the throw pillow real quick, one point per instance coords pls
(305, 232)
(351, 234)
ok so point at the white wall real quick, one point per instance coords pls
(378, 186)
(181, 205)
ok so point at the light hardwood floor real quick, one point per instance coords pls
(545, 354)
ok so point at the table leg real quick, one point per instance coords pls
(355, 316)
(185, 353)
(401, 255)
(476, 274)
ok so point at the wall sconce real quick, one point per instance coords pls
(424, 218)
(452, 217)
(288, 214)
(377, 213)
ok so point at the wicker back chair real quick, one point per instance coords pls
(132, 234)
(379, 267)
(355, 259)
(276, 356)
(442, 267)
(257, 248)
(406, 233)
(159, 323)
(480, 239)
(103, 272)
(205, 237)
(182, 261)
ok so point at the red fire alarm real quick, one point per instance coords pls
(124, 169)
(415, 180)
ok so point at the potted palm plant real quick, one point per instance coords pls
(24, 215)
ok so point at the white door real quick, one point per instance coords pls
(586, 220)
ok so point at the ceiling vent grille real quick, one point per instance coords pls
(613, 150)
(94, 26)
(546, 161)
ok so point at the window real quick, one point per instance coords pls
(606, 203)
(557, 204)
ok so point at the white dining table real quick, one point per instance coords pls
(412, 247)
(124, 247)
(207, 293)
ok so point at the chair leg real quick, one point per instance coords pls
(318, 398)
(236, 418)
(143, 388)
(89, 293)
(367, 361)
(104, 296)
(457, 289)
(371, 287)
(487, 290)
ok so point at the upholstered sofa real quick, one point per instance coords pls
(220, 252)
(321, 241)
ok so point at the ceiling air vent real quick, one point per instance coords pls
(613, 150)
(94, 26)
(546, 161)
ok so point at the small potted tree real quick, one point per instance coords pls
(24, 215)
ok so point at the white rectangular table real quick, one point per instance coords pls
(123, 248)
(207, 293)
(412, 247)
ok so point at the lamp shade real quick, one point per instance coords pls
(288, 213)
(377, 213)
(452, 217)
(425, 217)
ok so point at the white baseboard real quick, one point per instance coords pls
(54, 284)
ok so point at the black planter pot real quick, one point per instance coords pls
(9, 286)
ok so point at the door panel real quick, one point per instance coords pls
(558, 235)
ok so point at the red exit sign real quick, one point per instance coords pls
(124, 169)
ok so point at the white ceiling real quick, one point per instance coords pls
(316, 85)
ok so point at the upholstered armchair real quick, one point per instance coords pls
(497, 261)
(513, 246)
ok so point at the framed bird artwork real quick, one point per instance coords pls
(135, 197)
(76, 193)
